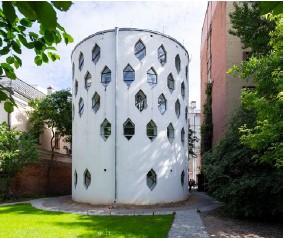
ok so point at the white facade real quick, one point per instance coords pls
(140, 169)
(195, 126)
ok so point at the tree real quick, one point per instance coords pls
(266, 71)
(246, 188)
(18, 21)
(252, 28)
(55, 113)
(17, 149)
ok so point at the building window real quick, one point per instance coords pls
(96, 54)
(140, 101)
(151, 180)
(106, 76)
(170, 133)
(87, 178)
(177, 63)
(161, 55)
(177, 108)
(170, 83)
(151, 77)
(162, 103)
(245, 56)
(182, 178)
(182, 136)
(183, 90)
(151, 130)
(81, 61)
(186, 113)
(105, 129)
(57, 140)
(76, 87)
(81, 106)
(129, 129)
(75, 178)
(129, 75)
(87, 80)
(186, 73)
(96, 102)
(140, 50)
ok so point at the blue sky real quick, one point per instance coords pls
(181, 20)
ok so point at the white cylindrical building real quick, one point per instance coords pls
(130, 127)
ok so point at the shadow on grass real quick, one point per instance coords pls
(99, 226)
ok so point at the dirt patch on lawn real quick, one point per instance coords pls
(219, 224)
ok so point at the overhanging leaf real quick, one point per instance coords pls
(62, 5)
(9, 11)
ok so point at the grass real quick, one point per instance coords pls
(23, 220)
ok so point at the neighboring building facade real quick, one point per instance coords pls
(22, 93)
(194, 125)
(219, 52)
(32, 179)
(130, 97)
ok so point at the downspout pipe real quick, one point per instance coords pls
(116, 107)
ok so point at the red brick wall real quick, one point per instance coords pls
(219, 68)
(218, 73)
(32, 180)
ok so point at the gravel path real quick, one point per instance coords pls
(187, 222)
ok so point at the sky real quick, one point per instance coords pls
(182, 20)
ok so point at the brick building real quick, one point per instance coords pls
(219, 52)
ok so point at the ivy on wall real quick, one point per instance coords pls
(207, 125)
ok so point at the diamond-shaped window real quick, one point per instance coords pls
(178, 63)
(81, 61)
(106, 76)
(96, 54)
(151, 130)
(151, 179)
(162, 103)
(140, 50)
(151, 77)
(87, 178)
(170, 83)
(129, 75)
(140, 101)
(170, 133)
(88, 81)
(177, 108)
(96, 102)
(81, 106)
(129, 129)
(105, 129)
(161, 52)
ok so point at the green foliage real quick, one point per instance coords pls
(266, 71)
(192, 138)
(25, 221)
(247, 188)
(275, 7)
(17, 149)
(53, 111)
(252, 28)
(207, 126)
(18, 21)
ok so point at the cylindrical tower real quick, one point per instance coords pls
(130, 97)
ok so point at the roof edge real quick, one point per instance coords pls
(131, 29)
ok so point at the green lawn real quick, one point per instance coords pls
(23, 220)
